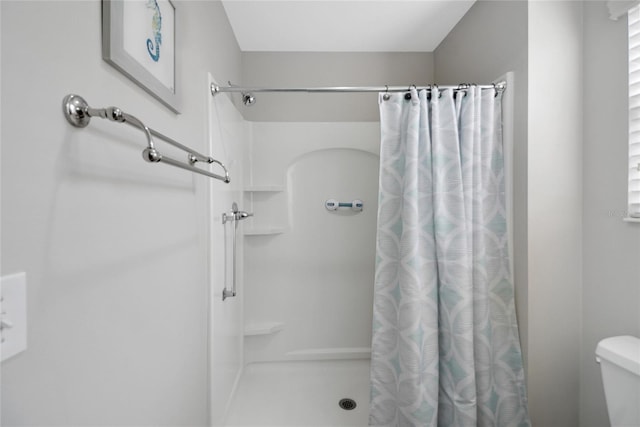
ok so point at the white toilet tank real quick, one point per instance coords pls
(619, 359)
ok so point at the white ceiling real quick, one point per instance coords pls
(343, 25)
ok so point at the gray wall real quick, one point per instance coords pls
(298, 69)
(531, 38)
(112, 246)
(489, 41)
(555, 188)
(611, 247)
(582, 268)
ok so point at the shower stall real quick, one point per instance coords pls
(300, 341)
(293, 347)
(308, 293)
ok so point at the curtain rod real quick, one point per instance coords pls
(215, 89)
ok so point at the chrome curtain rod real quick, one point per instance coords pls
(79, 114)
(215, 89)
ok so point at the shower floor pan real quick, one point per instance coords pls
(301, 394)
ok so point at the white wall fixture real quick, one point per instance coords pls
(13, 326)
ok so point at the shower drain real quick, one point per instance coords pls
(347, 404)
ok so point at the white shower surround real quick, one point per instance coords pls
(304, 297)
(228, 139)
(315, 279)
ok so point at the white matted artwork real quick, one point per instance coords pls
(138, 38)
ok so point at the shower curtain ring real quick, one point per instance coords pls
(407, 95)
(462, 87)
(438, 89)
(386, 95)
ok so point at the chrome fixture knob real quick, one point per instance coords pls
(248, 99)
(242, 215)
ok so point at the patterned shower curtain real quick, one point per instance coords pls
(445, 349)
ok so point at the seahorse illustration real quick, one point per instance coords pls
(156, 24)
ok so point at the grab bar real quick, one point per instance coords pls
(236, 215)
(333, 204)
(79, 114)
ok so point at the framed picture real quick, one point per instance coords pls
(138, 38)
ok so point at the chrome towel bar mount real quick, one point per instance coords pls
(78, 113)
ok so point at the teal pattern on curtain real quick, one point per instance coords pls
(445, 348)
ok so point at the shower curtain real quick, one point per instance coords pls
(445, 348)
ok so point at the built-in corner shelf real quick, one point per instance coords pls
(262, 200)
(631, 219)
(263, 328)
(264, 231)
(264, 188)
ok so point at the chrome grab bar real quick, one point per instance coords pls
(333, 204)
(235, 216)
(79, 114)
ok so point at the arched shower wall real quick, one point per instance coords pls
(309, 272)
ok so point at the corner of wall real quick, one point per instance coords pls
(554, 205)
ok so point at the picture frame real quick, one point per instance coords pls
(139, 40)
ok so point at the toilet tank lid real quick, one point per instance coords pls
(623, 351)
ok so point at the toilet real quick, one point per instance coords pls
(619, 359)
